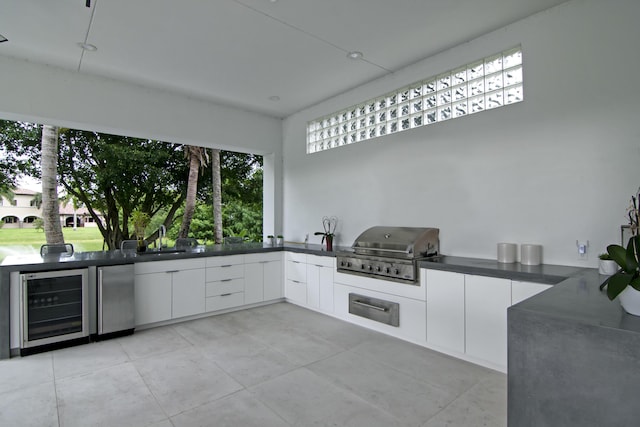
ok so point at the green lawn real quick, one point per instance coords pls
(15, 241)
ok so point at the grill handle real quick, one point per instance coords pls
(367, 248)
(375, 307)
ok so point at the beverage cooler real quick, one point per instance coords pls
(53, 307)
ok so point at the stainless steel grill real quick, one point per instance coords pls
(390, 253)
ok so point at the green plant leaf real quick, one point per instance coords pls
(619, 255)
(617, 283)
(635, 282)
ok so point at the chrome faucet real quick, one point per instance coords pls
(162, 233)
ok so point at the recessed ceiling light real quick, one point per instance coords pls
(355, 55)
(274, 98)
(87, 46)
(3, 38)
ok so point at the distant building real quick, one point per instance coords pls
(23, 211)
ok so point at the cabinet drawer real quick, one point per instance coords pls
(297, 271)
(218, 261)
(229, 286)
(227, 271)
(296, 291)
(262, 257)
(294, 256)
(164, 266)
(227, 301)
(321, 261)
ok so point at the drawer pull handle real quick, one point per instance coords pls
(225, 295)
(227, 265)
(296, 262)
(226, 280)
(375, 307)
(172, 271)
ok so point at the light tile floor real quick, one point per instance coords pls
(276, 365)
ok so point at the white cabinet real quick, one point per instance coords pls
(309, 280)
(486, 303)
(152, 297)
(225, 282)
(295, 289)
(521, 291)
(320, 282)
(445, 309)
(263, 277)
(168, 290)
(188, 292)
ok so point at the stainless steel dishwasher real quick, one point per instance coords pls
(116, 300)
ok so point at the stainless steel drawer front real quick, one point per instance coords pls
(382, 311)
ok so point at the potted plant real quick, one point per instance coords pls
(271, 240)
(606, 265)
(626, 282)
(280, 240)
(140, 221)
(329, 224)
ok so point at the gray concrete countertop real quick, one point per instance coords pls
(102, 258)
(545, 273)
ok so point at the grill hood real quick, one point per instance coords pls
(398, 242)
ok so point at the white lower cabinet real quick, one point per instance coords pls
(187, 293)
(167, 290)
(225, 282)
(486, 303)
(152, 298)
(295, 287)
(521, 291)
(263, 277)
(320, 282)
(445, 309)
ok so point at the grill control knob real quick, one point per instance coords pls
(362, 266)
(387, 270)
(341, 263)
(348, 264)
(397, 271)
(370, 268)
(378, 268)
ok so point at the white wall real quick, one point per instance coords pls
(50, 95)
(557, 167)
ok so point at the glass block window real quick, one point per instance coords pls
(492, 82)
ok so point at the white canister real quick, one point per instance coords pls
(507, 252)
(530, 254)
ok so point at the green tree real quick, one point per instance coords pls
(19, 152)
(50, 206)
(115, 175)
(198, 158)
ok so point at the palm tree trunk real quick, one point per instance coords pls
(195, 157)
(217, 196)
(50, 206)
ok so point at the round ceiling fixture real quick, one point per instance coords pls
(355, 55)
(274, 98)
(87, 46)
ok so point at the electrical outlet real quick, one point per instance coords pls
(583, 249)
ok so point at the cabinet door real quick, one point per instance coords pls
(253, 283)
(326, 288)
(521, 291)
(445, 309)
(273, 283)
(188, 292)
(152, 297)
(487, 300)
(296, 292)
(313, 286)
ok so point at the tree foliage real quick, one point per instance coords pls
(19, 152)
(115, 175)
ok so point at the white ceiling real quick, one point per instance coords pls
(242, 52)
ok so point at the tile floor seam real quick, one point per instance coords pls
(431, 384)
(55, 390)
(155, 398)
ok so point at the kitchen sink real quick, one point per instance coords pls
(162, 252)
